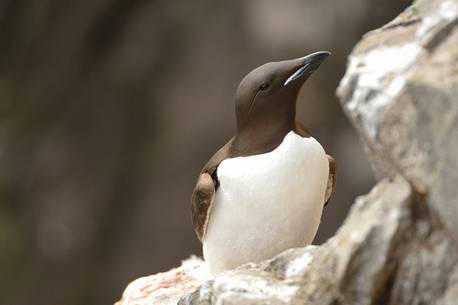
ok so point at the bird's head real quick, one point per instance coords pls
(267, 95)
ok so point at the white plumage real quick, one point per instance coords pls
(266, 203)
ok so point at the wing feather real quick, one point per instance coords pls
(204, 192)
(331, 180)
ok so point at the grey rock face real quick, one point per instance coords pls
(399, 243)
(401, 93)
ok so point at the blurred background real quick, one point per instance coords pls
(110, 108)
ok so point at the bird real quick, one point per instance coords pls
(264, 191)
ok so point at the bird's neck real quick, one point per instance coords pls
(261, 139)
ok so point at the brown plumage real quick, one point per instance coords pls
(264, 117)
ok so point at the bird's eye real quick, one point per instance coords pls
(264, 86)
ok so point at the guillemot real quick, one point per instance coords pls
(264, 191)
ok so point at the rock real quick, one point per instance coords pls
(168, 287)
(400, 91)
(399, 243)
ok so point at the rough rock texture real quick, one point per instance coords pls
(401, 93)
(168, 287)
(399, 243)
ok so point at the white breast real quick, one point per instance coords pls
(266, 203)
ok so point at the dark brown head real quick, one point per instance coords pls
(266, 98)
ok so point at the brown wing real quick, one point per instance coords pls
(201, 201)
(204, 191)
(331, 180)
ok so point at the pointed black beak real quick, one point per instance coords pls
(307, 65)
